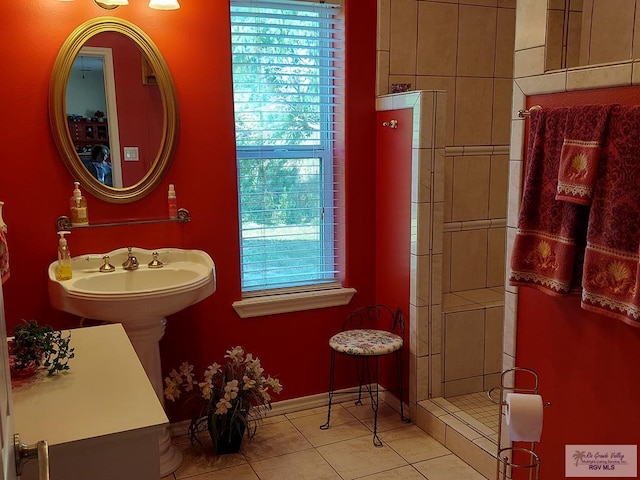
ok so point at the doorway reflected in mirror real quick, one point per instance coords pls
(138, 113)
(86, 103)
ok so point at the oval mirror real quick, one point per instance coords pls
(112, 109)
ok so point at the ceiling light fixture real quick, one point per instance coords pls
(164, 4)
(113, 3)
(155, 4)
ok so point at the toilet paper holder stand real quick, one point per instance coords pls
(508, 456)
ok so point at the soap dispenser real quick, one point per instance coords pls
(63, 269)
(78, 206)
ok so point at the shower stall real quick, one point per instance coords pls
(456, 267)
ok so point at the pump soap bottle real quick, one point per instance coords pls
(63, 269)
(173, 202)
(78, 206)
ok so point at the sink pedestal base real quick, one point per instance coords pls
(145, 335)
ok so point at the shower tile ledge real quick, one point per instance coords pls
(472, 446)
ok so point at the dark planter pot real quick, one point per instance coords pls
(226, 437)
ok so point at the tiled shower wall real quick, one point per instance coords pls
(464, 47)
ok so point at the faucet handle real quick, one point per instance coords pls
(155, 263)
(107, 267)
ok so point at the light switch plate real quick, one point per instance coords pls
(131, 154)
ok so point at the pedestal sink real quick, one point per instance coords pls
(140, 299)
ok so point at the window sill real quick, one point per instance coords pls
(293, 302)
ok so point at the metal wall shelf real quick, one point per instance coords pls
(64, 223)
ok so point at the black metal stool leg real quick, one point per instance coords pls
(361, 370)
(333, 361)
(374, 401)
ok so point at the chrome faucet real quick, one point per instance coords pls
(131, 263)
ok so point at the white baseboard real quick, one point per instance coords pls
(304, 403)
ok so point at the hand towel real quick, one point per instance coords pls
(550, 233)
(611, 282)
(581, 151)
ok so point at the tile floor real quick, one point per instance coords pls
(480, 407)
(292, 446)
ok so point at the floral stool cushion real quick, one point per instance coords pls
(365, 342)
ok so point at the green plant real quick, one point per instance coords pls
(34, 346)
(232, 398)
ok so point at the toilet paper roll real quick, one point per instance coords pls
(524, 417)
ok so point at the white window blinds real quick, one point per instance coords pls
(287, 65)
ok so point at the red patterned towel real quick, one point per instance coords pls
(612, 262)
(551, 234)
(581, 149)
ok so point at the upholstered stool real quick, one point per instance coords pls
(365, 344)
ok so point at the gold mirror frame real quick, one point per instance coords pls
(58, 113)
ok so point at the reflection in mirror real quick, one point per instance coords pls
(564, 24)
(112, 109)
(89, 125)
(590, 32)
(133, 109)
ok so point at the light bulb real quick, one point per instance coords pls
(164, 4)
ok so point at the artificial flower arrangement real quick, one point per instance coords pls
(35, 346)
(230, 400)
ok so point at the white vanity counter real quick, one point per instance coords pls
(101, 418)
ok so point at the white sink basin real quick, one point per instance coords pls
(187, 277)
(140, 299)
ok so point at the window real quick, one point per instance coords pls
(286, 69)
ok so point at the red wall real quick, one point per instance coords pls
(586, 362)
(36, 186)
(393, 222)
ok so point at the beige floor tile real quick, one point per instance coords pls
(280, 450)
(307, 465)
(387, 421)
(402, 473)
(278, 438)
(194, 463)
(358, 457)
(242, 472)
(449, 467)
(306, 413)
(388, 418)
(413, 444)
(343, 426)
